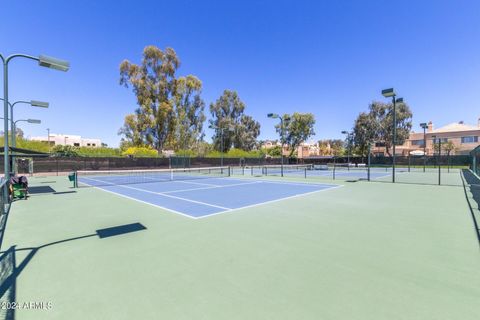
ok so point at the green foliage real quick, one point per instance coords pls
(275, 151)
(147, 152)
(297, 128)
(377, 125)
(99, 152)
(65, 151)
(447, 147)
(331, 147)
(39, 146)
(187, 153)
(236, 153)
(239, 129)
(189, 115)
(154, 84)
(28, 144)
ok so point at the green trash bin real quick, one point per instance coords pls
(72, 178)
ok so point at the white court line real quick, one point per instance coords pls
(226, 210)
(213, 187)
(267, 202)
(138, 200)
(167, 195)
(306, 183)
(199, 183)
(189, 182)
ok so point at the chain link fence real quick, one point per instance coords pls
(431, 170)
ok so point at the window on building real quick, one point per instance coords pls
(88, 144)
(470, 139)
(76, 144)
(93, 144)
(379, 144)
(418, 143)
(442, 140)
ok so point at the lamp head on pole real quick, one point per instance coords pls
(53, 63)
(273, 115)
(36, 121)
(40, 104)
(388, 93)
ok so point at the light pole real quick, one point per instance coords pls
(48, 138)
(391, 93)
(282, 140)
(348, 147)
(13, 132)
(43, 61)
(424, 126)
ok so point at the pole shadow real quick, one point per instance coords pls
(9, 271)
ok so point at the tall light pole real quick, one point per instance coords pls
(43, 61)
(348, 134)
(391, 93)
(33, 103)
(424, 126)
(48, 138)
(13, 132)
(282, 140)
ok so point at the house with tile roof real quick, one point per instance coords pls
(465, 137)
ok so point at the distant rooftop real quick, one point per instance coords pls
(457, 126)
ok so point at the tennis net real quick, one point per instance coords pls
(97, 178)
(292, 168)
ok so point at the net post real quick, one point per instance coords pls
(305, 172)
(229, 171)
(171, 174)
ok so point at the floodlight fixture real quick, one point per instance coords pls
(388, 92)
(40, 104)
(53, 63)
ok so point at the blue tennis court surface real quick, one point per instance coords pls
(207, 196)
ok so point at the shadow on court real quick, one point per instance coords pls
(40, 190)
(472, 194)
(9, 271)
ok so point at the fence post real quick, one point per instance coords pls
(334, 165)
(368, 164)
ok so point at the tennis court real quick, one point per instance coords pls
(388, 251)
(195, 193)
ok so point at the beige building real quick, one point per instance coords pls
(305, 150)
(464, 137)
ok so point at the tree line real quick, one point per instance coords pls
(170, 112)
(376, 127)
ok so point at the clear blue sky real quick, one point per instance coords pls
(330, 58)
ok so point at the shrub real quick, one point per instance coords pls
(146, 152)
